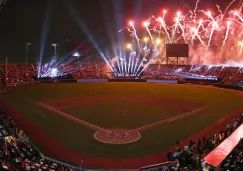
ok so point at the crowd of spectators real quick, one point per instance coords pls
(2, 80)
(190, 157)
(91, 71)
(23, 73)
(100, 70)
(2, 84)
(20, 73)
(17, 152)
(228, 75)
(17, 73)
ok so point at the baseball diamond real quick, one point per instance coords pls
(125, 85)
(110, 121)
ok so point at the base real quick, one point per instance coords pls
(117, 136)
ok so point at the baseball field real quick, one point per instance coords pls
(109, 124)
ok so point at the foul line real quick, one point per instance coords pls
(166, 120)
(40, 113)
(89, 125)
(97, 128)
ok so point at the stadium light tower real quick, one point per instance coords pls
(55, 49)
(27, 52)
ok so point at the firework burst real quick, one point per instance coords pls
(214, 38)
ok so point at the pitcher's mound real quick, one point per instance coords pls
(117, 136)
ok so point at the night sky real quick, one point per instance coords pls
(28, 20)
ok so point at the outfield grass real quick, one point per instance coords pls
(122, 113)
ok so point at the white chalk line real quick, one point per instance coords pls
(110, 142)
(97, 128)
(203, 116)
(79, 121)
(166, 120)
(41, 113)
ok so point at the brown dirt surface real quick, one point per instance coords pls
(117, 136)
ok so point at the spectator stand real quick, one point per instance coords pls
(2, 81)
(193, 155)
(156, 166)
(18, 153)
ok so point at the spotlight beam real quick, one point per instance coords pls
(44, 33)
(83, 27)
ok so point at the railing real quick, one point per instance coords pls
(54, 160)
(155, 166)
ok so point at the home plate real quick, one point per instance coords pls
(117, 136)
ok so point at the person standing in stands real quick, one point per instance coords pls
(177, 144)
(169, 156)
(82, 164)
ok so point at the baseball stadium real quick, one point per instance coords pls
(165, 100)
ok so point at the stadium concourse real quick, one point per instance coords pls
(18, 153)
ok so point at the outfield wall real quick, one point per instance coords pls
(163, 81)
(144, 80)
(127, 80)
(212, 84)
(91, 80)
(62, 81)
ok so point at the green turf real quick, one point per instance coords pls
(110, 114)
(128, 115)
